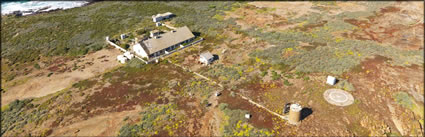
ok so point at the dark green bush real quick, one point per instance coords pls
(19, 113)
(263, 73)
(36, 66)
(275, 75)
(345, 85)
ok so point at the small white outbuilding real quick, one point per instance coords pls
(217, 94)
(206, 58)
(158, 24)
(123, 36)
(128, 55)
(121, 58)
(331, 80)
(247, 116)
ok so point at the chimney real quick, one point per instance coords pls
(294, 113)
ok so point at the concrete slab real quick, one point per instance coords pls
(338, 97)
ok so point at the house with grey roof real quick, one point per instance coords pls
(163, 43)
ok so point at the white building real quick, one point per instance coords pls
(159, 17)
(331, 80)
(128, 55)
(247, 116)
(154, 33)
(163, 43)
(123, 36)
(206, 58)
(121, 59)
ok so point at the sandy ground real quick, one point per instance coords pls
(103, 125)
(38, 86)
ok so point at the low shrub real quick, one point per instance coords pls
(154, 118)
(238, 125)
(36, 66)
(275, 75)
(135, 63)
(345, 85)
(263, 73)
(19, 113)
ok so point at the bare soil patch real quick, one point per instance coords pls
(260, 118)
(391, 25)
(102, 125)
(38, 86)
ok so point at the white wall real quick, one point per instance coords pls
(140, 51)
(203, 60)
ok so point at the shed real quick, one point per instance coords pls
(121, 59)
(123, 36)
(158, 24)
(331, 80)
(206, 58)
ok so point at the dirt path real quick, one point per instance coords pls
(210, 122)
(214, 98)
(202, 76)
(398, 124)
(38, 86)
(263, 107)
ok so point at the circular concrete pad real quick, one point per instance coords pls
(338, 97)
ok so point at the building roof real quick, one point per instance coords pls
(207, 55)
(167, 39)
(164, 14)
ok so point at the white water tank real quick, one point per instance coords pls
(331, 80)
(294, 114)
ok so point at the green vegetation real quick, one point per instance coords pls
(263, 73)
(237, 125)
(275, 75)
(135, 63)
(51, 73)
(265, 10)
(225, 73)
(338, 56)
(36, 66)
(155, 118)
(408, 102)
(345, 85)
(84, 84)
(286, 83)
(19, 113)
(199, 86)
